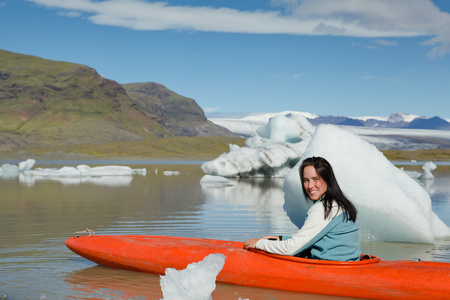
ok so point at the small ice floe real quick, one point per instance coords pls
(26, 165)
(214, 181)
(109, 171)
(8, 171)
(427, 168)
(171, 173)
(84, 171)
(196, 282)
(101, 175)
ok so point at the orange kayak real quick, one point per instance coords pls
(368, 278)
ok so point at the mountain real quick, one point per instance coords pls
(180, 115)
(401, 118)
(395, 120)
(351, 122)
(52, 103)
(431, 123)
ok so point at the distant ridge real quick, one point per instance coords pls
(432, 123)
(50, 103)
(396, 120)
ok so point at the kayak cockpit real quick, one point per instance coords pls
(365, 259)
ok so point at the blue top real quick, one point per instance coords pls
(333, 238)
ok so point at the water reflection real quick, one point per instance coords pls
(91, 283)
(262, 196)
(103, 283)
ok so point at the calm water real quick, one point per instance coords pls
(37, 216)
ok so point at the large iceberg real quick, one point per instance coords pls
(275, 149)
(392, 206)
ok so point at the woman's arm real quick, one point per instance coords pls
(313, 226)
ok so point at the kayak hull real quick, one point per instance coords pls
(369, 278)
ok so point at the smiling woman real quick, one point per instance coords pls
(329, 231)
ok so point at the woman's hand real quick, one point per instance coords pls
(251, 243)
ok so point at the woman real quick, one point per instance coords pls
(329, 231)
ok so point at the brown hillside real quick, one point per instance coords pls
(47, 103)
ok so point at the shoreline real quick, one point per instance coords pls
(397, 156)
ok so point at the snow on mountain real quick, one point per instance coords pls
(401, 117)
(384, 119)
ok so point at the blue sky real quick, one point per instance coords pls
(327, 57)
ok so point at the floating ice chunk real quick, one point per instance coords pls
(214, 181)
(142, 171)
(427, 168)
(113, 181)
(53, 172)
(392, 206)
(82, 171)
(26, 165)
(9, 171)
(276, 148)
(102, 175)
(171, 173)
(196, 282)
(105, 171)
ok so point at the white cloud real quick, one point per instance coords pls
(356, 18)
(385, 42)
(72, 14)
(378, 42)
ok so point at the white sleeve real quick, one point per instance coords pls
(314, 224)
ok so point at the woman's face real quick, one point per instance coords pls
(314, 185)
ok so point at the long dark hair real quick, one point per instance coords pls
(333, 192)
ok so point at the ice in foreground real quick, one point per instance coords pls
(196, 282)
(275, 149)
(392, 206)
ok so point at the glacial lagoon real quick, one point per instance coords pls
(37, 216)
